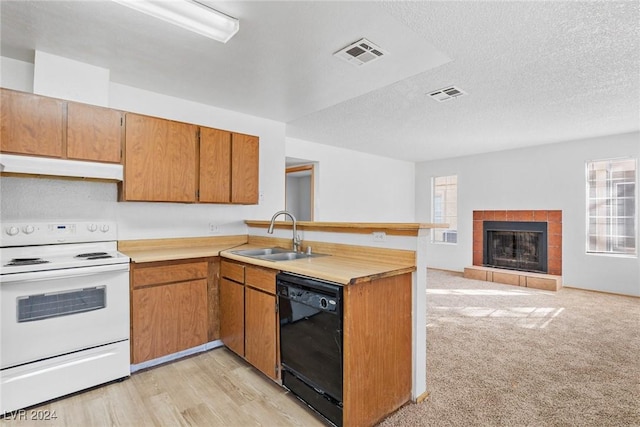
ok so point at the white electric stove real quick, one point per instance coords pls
(64, 299)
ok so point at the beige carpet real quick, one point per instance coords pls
(500, 355)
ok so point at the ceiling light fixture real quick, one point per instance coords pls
(191, 15)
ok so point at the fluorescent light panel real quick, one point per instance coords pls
(190, 15)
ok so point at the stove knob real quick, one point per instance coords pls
(28, 229)
(12, 231)
(104, 228)
(92, 227)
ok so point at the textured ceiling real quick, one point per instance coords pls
(535, 72)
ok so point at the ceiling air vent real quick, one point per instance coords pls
(447, 93)
(360, 53)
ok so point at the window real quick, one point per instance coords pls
(611, 207)
(445, 208)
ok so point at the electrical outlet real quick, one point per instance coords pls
(214, 228)
(379, 236)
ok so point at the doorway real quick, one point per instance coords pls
(299, 190)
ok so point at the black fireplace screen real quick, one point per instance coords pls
(516, 245)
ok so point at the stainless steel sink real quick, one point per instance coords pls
(257, 253)
(286, 256)
(275, 254)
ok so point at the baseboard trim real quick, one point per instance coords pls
(175, 356)
(424, 396)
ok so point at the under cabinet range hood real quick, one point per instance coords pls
(10, 163)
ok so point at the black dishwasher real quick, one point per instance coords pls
(310, 314)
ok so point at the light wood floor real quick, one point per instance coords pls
(215, 388)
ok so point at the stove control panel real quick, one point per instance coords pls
(42, 233)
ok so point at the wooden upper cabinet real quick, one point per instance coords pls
(94, 133)
(32, 124)
(245, 169)
(215, 165)
(229, 165)
(160, 160)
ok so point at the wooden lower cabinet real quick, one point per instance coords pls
(248, 317)
(260, 331)
(377, 349)
(169, 308)
(232, 315)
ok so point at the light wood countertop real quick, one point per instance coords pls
(332, 267)
(153, 250)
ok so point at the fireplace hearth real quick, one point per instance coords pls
(515, 245)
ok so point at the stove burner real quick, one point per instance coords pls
(27, 261)
(89, 255)
(100, 256)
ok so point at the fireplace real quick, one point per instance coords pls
(525, 246)
(515, 245)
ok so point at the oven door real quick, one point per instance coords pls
(49, 313)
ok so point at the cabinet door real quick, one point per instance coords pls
(94, 133)
(244, 169)
(31, 124)
(160, 160)
(260, 331)
(215, 165)
(232, 315)
(167, 319)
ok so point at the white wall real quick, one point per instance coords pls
(546, 177)
(355, 186)
(17, 75)
(51, 77)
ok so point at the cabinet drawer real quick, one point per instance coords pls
(261, 278)
(154, 275)
(232, 270)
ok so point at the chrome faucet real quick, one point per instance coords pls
(296, 238)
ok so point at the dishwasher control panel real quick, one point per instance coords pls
(309, 298)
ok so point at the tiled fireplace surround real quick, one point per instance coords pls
(554, 245)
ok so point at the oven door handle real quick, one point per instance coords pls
(62, 274)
